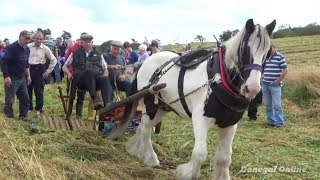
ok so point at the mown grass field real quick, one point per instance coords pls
(83, 154)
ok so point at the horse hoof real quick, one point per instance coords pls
(185, 172)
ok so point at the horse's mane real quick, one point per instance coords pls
(232, 45)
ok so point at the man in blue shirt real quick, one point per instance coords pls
(15, 69)
(118, 76)
(275, 70)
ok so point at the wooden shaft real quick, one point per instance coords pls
(111, 106)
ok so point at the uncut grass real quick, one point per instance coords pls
(65, 154)
(83, 154)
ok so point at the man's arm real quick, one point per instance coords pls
(106, 72)
(65, 68)
(284, 66)
(27, 72)
(281, 77)
(53, 59)
(28, 76)
(68, 52)
(116, 66)
(104, 66)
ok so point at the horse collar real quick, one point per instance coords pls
(224, 102)
(223, 73)
(224, 78)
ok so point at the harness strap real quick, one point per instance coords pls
(158, 73)
(253, 67)
(223, 74)
(180, 91)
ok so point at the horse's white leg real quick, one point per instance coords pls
(140, 144)
(201, 125)
(222, 158)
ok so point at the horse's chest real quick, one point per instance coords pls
(226, 109)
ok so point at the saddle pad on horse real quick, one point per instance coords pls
(194, 58)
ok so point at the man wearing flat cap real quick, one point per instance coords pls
(90, 72)
(80, 94)
(15, 69)
(116, 64)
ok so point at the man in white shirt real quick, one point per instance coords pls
(39, 53)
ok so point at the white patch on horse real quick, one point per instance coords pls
(253, 85)
(140, 144)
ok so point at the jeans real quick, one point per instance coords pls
(272, 97)
(56, 71)
(19, 88)
(122, 86)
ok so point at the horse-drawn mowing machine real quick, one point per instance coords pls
(108, 118)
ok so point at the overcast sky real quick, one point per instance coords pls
(170, 21)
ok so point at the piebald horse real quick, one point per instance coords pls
(243, 57)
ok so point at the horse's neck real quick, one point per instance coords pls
(231, 55)
(163, 57)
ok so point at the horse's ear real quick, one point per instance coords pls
(249, 26)
(270, 27)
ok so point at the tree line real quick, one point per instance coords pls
(285, 30)
(288, 31)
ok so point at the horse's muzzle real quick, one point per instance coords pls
(250, 91)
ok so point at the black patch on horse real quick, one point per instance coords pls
(224, 107)
(151, 108)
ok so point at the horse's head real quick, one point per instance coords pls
(253, 44)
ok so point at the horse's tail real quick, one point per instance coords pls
(130, 111)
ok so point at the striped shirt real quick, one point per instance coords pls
(51, 45)
(273, 68)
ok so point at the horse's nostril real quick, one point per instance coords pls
(246, 89)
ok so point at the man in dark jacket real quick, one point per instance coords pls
(15, 69)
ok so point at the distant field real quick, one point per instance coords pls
(300, 52)
(83, 154)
